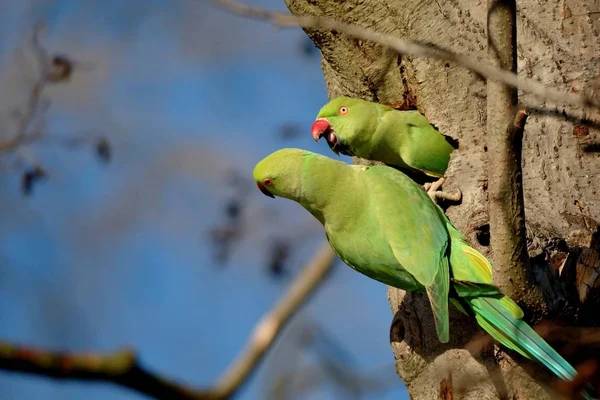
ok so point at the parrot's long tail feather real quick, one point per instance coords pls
(516, 334)
(496, 318)
(498, 315)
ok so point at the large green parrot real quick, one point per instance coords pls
(373, 131)
(382, 224)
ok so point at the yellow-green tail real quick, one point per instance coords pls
(501, 317)
(496, 313)
(493, 316)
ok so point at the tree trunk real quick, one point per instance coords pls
(558, 44)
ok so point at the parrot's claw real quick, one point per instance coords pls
(435, 193)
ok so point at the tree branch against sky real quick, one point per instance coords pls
(402, 63)
(123, 368)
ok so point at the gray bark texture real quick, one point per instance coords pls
(558, 44)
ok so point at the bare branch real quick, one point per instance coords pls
(49, 69)
(122, 367)
(413, 48)
(508, 242)
(35, 93)
(271, 324)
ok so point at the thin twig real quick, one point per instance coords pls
(33, 100)
(410, 47)
(440, 8)
(122, 367)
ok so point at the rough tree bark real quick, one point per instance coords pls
(558, 44)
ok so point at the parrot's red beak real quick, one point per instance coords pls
(263, 189)
(320, 128)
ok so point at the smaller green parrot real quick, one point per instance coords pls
(403, 139)
(384, 225)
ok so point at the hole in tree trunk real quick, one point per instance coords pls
(453, 142)
(482, 233)
(397, 329)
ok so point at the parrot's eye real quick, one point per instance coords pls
(343, 110)
(267, 182)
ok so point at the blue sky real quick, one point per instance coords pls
(106, 256)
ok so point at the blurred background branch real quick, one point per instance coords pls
(267, 330)
(123, 368)
(49, 69)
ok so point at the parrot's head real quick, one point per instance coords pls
(280, 173)
(345, 123)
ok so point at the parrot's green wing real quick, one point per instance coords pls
(426, 148)
(416, 235)
(437, 293)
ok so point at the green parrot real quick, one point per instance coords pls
(383, 224)
(403, 139)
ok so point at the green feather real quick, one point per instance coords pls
(383, 225)
(498, 335)
(404, 139)
(438, 298)
(473, 289)
(517, 335)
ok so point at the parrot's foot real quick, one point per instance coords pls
(434, 191)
